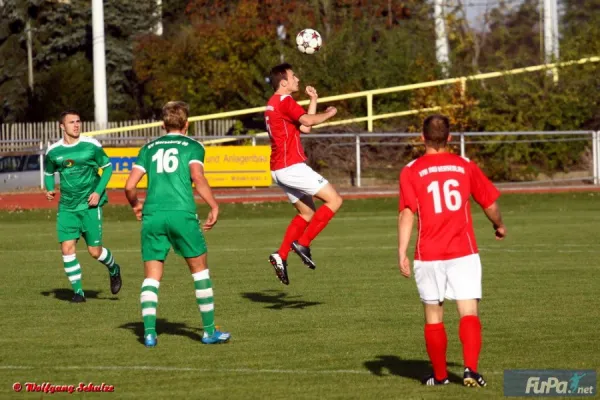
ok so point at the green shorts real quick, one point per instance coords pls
(180, 229)
(71, 225)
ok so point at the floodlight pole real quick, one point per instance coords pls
(158, 29)
(100, 97)
(551, 42)
(29, 53)
(441, 41)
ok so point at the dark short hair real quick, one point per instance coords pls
(436, 129)
(67, 112)
(175, 115)
(278, 73)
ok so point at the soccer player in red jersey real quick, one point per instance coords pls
(437, 187)
(285, 119)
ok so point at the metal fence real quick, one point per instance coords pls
(365, 159)
(19, 137)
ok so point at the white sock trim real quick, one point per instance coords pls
(69, 258)
(204, 293)
(151, 282)
(73, 269)
(75, 278)
(206, 307)
(103, 255)
(148, 311)
(148, 296)
(202, 275)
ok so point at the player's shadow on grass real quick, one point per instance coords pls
(412, 369)
(164, 327)
(67, 294)
(278, 300)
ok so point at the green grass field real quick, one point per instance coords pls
(351, 329)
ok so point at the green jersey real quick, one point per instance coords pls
(166, 161)
(77, 166)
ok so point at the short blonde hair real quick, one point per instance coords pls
(175, 115)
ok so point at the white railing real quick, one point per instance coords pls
(358, 141)
(369, 94)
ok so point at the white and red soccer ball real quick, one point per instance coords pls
(309, 41)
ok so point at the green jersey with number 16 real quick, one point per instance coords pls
(166, 161)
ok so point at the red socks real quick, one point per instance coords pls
(318, 222)
(436, 342)
(293, 232)
(469, 332)
(303, 231)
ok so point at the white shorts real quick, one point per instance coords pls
(456, 279)
(298, 180)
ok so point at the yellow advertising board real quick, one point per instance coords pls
(224, 166)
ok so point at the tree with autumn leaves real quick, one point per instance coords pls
(219, 60)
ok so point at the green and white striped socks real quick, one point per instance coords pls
(149, 301)
(205, 301)
(107, 259)
(73, 271)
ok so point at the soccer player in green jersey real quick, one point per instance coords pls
(77, 160)
(168, 214)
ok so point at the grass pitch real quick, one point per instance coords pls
(351, 329)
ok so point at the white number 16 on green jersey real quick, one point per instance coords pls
(166, 160)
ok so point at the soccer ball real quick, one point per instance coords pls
(308, 41)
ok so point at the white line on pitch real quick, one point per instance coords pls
(193, 369)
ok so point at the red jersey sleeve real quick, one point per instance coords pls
(483, 190)
(290, 109)
(408, 195)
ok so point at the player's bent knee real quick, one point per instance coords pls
(95, 252)
(339, 201)
(197, 264)
(307, 216)
(336, 203)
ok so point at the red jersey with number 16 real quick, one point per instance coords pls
(282, 117)
(438, 187)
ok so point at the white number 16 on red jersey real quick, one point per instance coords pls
(452, 198)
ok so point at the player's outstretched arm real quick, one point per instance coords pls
(133, 179)
(405, 225)
(493, 214)
(204, 190)
(312, 106)
(316, 119)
